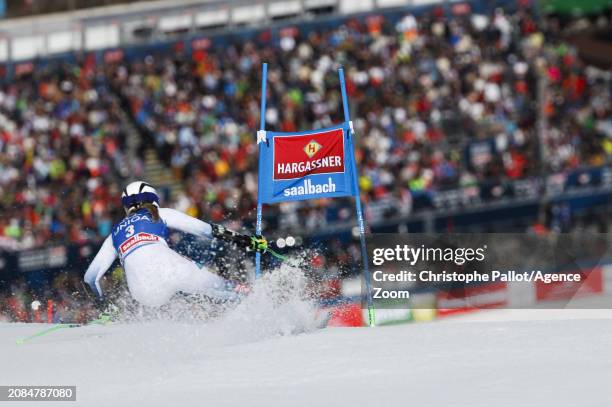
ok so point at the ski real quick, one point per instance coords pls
(102, 319)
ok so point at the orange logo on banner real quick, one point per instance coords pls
(311, 148)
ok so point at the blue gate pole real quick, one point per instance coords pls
(262, 126)
(360, 219)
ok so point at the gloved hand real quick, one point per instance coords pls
(256, 243)
(259, 244)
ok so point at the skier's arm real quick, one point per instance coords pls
(185, 223)
(100, 265)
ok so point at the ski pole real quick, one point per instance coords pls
(286, 260)
(277, 255)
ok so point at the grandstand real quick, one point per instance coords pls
(468, 117)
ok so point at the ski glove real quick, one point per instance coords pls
(256, 243)
(259, 243)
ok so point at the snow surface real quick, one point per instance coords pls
(254, 357)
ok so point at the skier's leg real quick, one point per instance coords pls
(191, 279)
(155, 273)
(147, 278)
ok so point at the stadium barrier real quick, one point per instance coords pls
(593, 291)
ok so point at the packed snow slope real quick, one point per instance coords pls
(502, 358)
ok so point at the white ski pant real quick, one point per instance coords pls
(155, 273)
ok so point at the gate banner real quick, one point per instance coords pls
(307, 165)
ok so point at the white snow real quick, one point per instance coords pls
(494, 358)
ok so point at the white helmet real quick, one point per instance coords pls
(138, 192)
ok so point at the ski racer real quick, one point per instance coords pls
(153, 270)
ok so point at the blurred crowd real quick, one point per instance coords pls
(576, 111)
(62, 157)
(60, 299)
